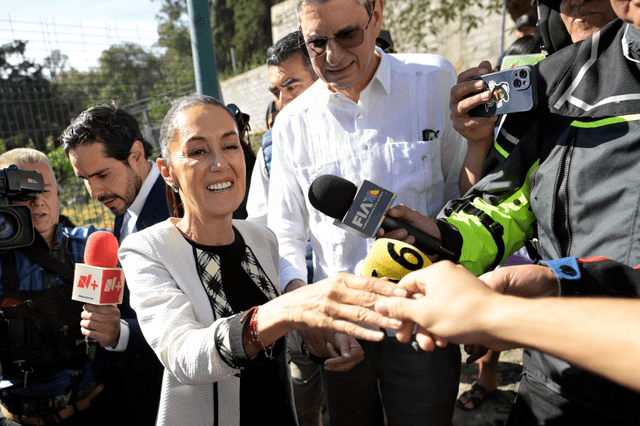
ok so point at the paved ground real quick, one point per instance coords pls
(495, 409)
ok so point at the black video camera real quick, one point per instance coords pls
(16, 226)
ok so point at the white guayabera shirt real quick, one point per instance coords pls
(398, 136)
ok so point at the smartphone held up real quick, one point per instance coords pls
(512, 90)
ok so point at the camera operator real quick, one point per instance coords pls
(43, 351)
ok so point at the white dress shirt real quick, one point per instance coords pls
(257, 201)
(131, 215)
(380, 138)
(129, 227)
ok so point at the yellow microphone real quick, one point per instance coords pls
(393, 259)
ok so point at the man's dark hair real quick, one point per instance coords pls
(115, 128)
(285, 48)
(271, 109)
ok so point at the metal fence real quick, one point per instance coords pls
(35, 113)
(80, 209)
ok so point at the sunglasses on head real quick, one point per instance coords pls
(241, 118)
(346, 39)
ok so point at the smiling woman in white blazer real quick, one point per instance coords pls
(197, 281)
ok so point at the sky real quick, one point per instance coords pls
(79, 29)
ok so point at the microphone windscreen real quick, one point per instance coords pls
(393, 259)
(332, 195)
(101, 250)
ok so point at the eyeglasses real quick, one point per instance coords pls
(345, 39)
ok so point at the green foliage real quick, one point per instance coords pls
(252, 36)
(60, 163)
(28, 102)
(20, 140)
(244, 25)
(78, 88)
(223, 28)
(173, 29)
(417, 19)
(129, 73)
(81, 209)
(14, 66)
(135, 79)
(55, 63)
(173, 34)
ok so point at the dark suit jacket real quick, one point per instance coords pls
(155, 209)
(141, 370)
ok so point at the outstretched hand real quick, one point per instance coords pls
(530, 281)
(340, 303)
(449, 304)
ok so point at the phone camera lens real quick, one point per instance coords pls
(523, 74)
(517, 83)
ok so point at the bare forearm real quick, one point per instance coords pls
(471, 172)
(337, 303)
(600, 335)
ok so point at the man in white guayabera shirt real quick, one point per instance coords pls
(384, 118)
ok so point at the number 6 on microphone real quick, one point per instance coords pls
(393, 259)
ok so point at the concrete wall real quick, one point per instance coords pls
(464, 50)
(249, 90)
(284, 19)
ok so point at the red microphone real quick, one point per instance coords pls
(101, 250)
(98, 281)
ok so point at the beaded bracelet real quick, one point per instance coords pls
(254, 335)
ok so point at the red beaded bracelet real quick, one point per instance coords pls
(254, 335)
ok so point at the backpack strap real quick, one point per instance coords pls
(44, 258)
(9, 272)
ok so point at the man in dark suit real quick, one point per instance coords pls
(154, 209)
(107, 150)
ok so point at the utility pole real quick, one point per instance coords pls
(204, 64)
(504, 20)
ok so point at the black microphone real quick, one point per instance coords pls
(363, 210)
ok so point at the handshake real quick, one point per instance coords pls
(446, 301)
(399, 287)
(507, 308)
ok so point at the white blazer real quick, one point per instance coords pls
(176, 318)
